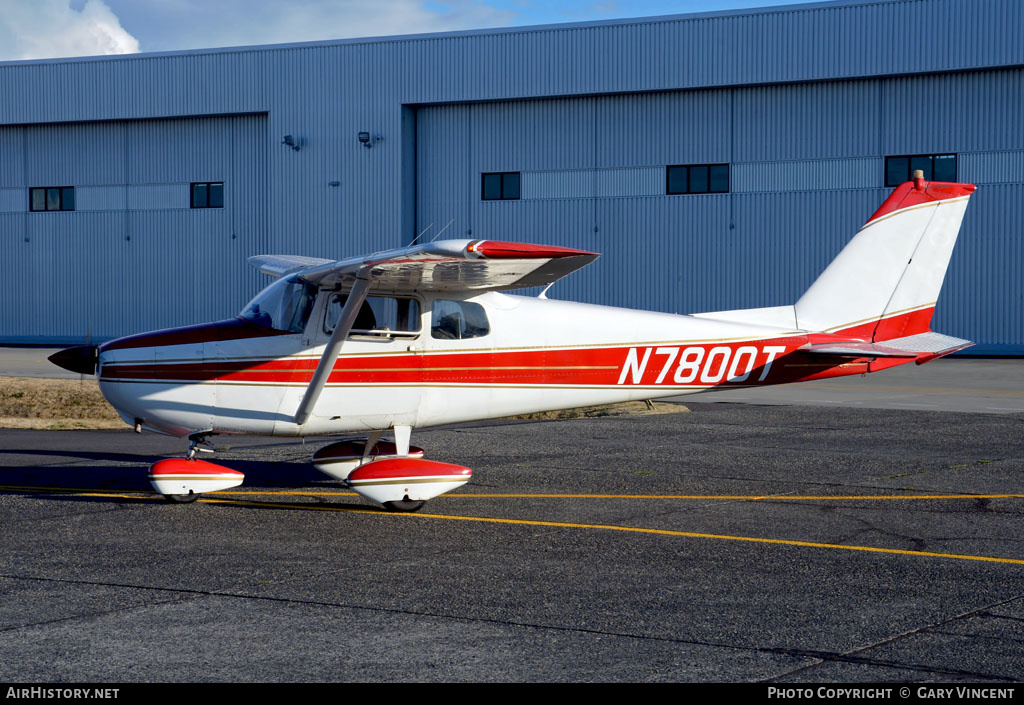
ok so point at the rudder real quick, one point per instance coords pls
(884, 284)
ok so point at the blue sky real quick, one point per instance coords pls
(37, 29)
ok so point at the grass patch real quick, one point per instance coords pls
(63, 404)
(54, 404)
(626, 408)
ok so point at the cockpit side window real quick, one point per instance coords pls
(458, 320)
(379, 316)
(284, 305)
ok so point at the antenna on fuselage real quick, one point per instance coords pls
(416, 239)
(443, 229)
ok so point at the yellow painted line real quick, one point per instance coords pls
(453, 495)
(34, 488)
(124, 494)
(148, 494)
(737, 497)
(287, 493)
(600, 527)
(633, 529)
(731, 497)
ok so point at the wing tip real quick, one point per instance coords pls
(500, 249)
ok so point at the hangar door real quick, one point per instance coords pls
(123, 226)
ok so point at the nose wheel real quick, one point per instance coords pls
(404, 505)
(181, 498)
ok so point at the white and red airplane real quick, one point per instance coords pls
(425, 335)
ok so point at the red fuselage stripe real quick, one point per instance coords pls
(676, 365)
(766, 361)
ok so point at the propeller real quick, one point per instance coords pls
(83, 359)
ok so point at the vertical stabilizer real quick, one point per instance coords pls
(885, 282)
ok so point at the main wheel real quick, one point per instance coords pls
(181, 498)
(404, 505)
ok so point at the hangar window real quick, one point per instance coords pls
(209, 194)
(502, 186)
(697, 178)
(936, 167)
(51, 198)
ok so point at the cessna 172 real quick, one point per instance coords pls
(424, 335)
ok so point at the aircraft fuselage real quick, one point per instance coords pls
(536, 354)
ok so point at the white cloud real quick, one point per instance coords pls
(168, 25)
(42, 29)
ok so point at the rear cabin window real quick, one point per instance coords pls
(379, 316)
(458, 320)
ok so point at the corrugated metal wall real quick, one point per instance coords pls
(133, 254)
(802, 102)
(807, 163)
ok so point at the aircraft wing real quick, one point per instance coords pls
(279, 265)
(925, 347)
(446, 265)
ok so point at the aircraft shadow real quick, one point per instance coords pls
(254, 503)
(111, 475)
(88, 455)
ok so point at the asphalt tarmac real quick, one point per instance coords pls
(777, 543)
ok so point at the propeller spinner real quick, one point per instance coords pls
(82, 359)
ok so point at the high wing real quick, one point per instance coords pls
(447, 265)
(280, 265)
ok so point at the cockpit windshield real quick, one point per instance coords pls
(284, 305)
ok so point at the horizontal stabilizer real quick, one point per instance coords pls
(925, 347)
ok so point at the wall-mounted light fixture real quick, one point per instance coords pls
(290, 141)
(368, 140)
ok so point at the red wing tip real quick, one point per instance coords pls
(497, 249)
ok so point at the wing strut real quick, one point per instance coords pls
(323, 370)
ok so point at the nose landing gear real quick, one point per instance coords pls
(182, 480)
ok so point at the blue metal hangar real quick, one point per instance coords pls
(717, 160)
